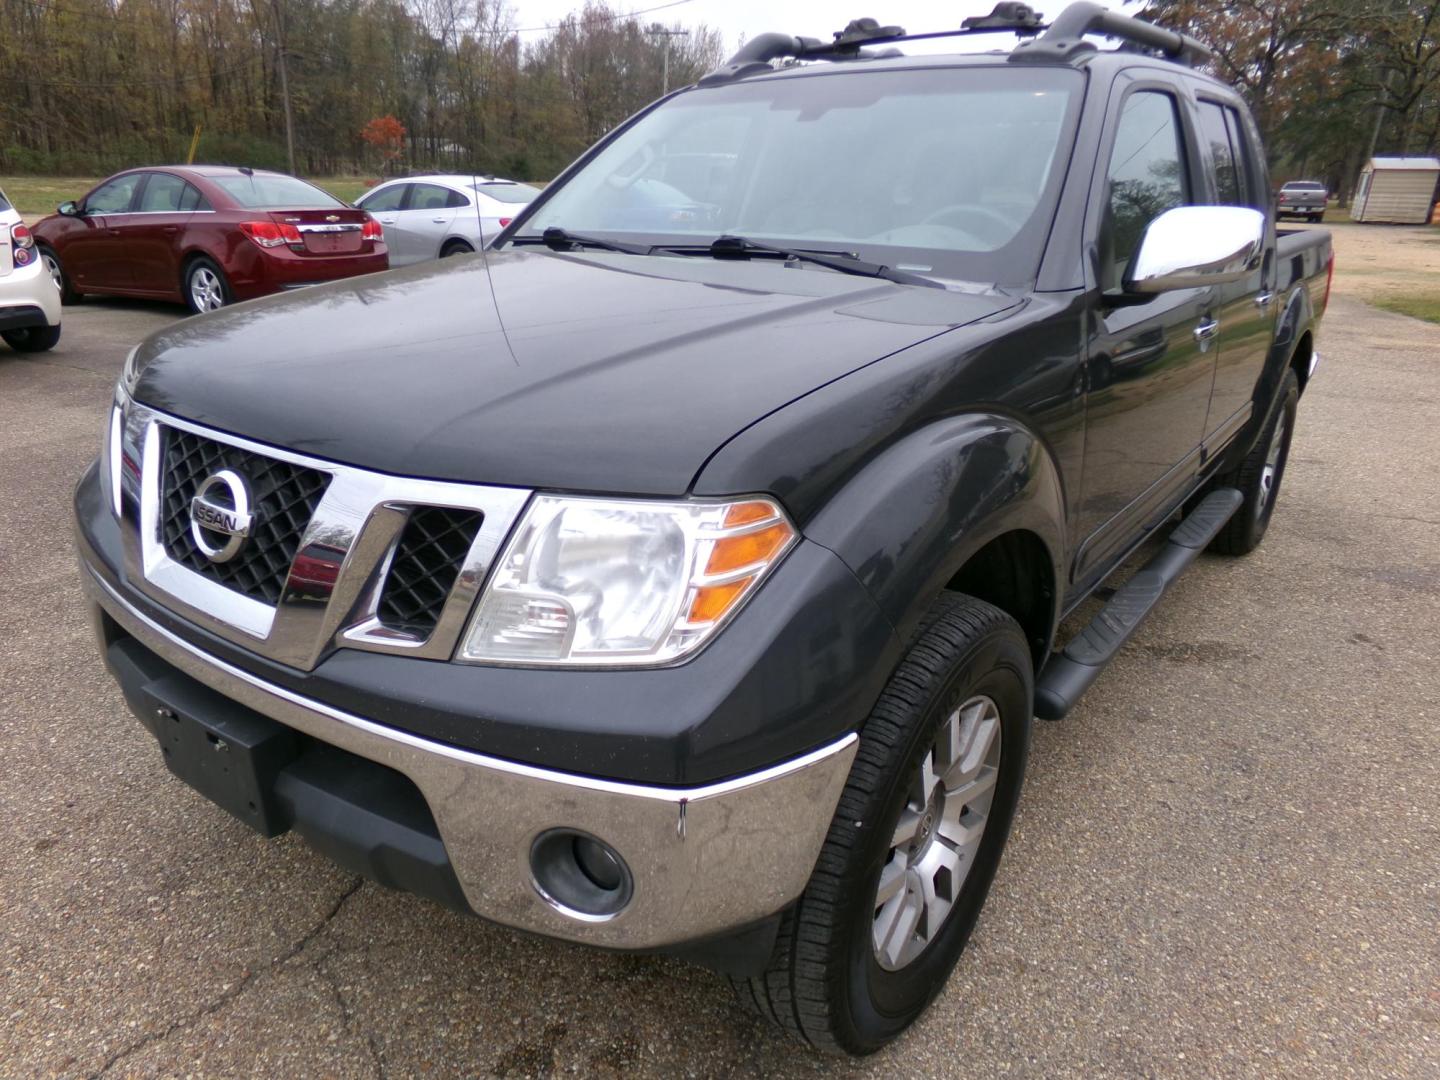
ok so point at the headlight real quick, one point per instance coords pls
(129, 374)
(607, 582)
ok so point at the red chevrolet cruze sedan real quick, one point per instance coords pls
(206, 235)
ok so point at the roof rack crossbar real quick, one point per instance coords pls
(1064, 39)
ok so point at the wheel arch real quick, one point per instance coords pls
(973, 504)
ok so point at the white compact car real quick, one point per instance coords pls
(429, 217)
(29, 298)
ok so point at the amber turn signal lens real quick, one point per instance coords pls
(712, 601)
(736, 552)
(748, 513)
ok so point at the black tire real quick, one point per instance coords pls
(53, 266)
(456, 247)
(32, 338)
(1244, 531)
(825, 984)
(194, 270)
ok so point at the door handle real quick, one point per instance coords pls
(387, 221)
(1206, 331)
(1263, 300)
(438, 220)
(170, 230)
(113, 232)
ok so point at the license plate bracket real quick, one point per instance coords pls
(229, 754)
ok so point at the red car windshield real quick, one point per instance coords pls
(274, 192)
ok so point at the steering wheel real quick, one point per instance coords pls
(981, 221)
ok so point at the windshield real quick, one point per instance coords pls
(507, 193)
(949, 171)
(274, 192)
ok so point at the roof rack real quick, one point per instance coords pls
(1062, 40)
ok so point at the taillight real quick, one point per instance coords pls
(372, 230)
(1329, 278)
(505, 222)
(20, 236)
(270, 234)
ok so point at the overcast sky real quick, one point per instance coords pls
(742, 19)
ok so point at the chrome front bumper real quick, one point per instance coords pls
(704, 860)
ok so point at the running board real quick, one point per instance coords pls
(1068, 674)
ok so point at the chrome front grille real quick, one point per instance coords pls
(285, 494)
(427, 561)
(336, 557)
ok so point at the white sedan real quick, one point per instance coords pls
(29, 296)
(429, 217)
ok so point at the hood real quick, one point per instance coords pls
(604, 373)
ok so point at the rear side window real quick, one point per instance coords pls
(1147, 177)
(4, 202)
(382, 201)
(455, 200)
(272, 191)
(430, 197)
(1223, 159)
(166, 194)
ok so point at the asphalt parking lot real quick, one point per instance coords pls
(1227, 861)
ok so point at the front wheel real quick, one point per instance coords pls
(206, 288)
(915, 840)
(32, 338)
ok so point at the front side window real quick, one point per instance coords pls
(114, 196)
(946, 171)
(383, 201)
(1147, 177)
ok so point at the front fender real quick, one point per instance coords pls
(910, 519)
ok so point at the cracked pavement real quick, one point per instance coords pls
(1225, 861)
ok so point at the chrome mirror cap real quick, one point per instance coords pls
(1192, 247)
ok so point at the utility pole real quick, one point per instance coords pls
(667, 35)
(285, 86)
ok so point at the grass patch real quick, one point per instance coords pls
(1424, 305)
(36, 196)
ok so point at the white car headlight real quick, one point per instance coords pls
(613, 582)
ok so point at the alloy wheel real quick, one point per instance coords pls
(52, 267)
(938, 835)
(206, 292)
(1270, 471)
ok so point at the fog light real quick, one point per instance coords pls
(579, 875)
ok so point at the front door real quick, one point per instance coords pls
(1151, 364)
(95, 256)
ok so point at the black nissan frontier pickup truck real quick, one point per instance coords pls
(683, 572)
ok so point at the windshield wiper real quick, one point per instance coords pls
(557, 239)
(740, 247)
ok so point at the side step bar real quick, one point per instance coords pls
(1068, 674)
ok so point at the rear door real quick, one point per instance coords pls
(95, 256)
(1151, 364)
(154, 230)
(423, 222)
(1246, 307)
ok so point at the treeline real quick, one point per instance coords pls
(91, 86)
(1331, 82)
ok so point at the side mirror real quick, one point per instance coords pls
(1192, 247)
(69, 209)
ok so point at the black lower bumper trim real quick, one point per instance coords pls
(368, 818)
(22, 318)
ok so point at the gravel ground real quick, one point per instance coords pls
(1225, 862)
